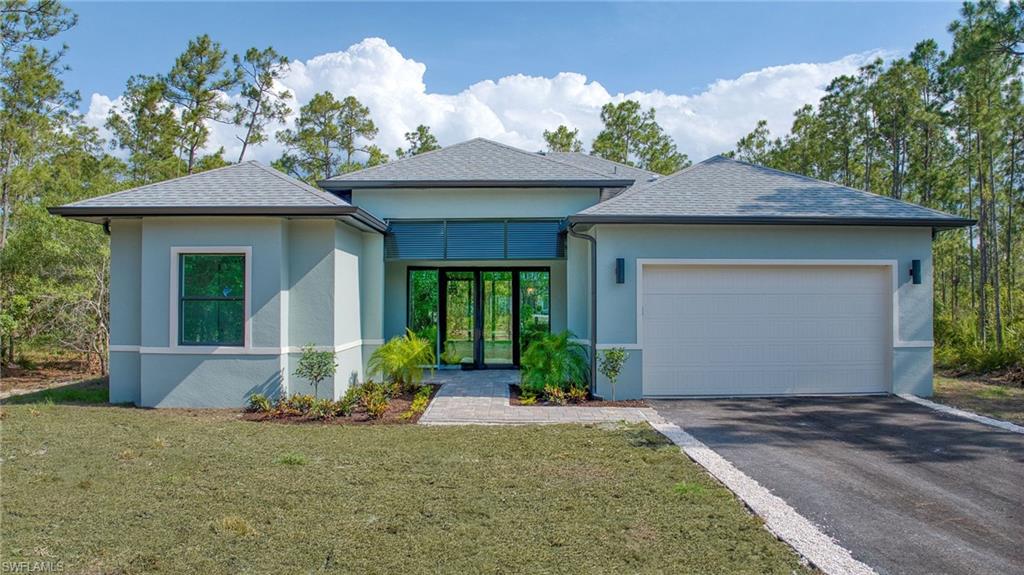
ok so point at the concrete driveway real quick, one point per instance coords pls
(906, 489)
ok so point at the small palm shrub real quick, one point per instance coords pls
(401, 360)
(552, 360)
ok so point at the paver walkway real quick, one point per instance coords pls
(481, 398)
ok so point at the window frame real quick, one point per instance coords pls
(176, 298)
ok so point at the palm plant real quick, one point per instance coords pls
(553, 360)
(401, 360)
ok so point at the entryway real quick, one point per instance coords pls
(479, 317)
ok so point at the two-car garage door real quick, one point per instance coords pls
(723, 330)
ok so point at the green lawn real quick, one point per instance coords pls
(109, 489)
(989, 398)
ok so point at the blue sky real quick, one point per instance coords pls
(651, 48)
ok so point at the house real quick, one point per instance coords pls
(724, 279)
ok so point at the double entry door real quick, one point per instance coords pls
(483, 317)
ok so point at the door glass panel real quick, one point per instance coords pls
(497, 316)
(534, 306)
(423, 309)
(461, 312)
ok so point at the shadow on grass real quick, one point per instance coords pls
(86, 392)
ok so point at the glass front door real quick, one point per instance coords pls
(481, 317)
(497, 323)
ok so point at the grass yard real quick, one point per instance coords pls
(107, 489)
(1004, 402)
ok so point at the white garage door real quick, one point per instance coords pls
(765, 330)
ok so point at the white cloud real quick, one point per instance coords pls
(517, 109)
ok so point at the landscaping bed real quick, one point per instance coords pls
(98, 489)
(403, 407)
(515, 398)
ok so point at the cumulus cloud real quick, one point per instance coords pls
(517, 109)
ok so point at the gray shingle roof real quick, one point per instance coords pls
(723, 190)
(249, 188)
(248, 184)
(477, 162)
(606, 167)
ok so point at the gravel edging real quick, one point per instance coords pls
(983, 419)
(781, 519)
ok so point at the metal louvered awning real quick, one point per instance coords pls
(491, 239)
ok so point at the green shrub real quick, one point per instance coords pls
(322, 409)
(451, 355)
(291, 459)
(259, 403)
(553, 361)
(401, 360)
(611, 362)
(419, 403)
(576, 394)
(527, 399)
(315, 366)
(556, 395)
(376, 404)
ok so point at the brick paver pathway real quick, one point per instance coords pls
(481, 398)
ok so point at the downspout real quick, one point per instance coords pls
(593, 303)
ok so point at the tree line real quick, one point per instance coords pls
(944, 130)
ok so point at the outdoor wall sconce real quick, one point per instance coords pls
(620, 270)
(915, 271)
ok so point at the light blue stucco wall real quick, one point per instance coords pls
(125, 307)
(912, 367)
(304, 275)
(475, 202)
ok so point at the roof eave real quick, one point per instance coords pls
(382, 184)
(95, 214)
(937, 223)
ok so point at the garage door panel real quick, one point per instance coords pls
(758, 330)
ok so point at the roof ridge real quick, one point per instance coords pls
(635, 188)
(828, 183)
(161, 182)
(400, 160)
(300, 184)
(590, 155)
(541, 156)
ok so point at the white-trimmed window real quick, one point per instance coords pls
(212, 299)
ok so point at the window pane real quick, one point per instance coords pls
(534, 306)
(423, 304)
(212, 322)
(213, 275)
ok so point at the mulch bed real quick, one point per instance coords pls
(399, 405)
(514, 391)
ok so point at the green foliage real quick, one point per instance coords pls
(420, 140)
(576, 394)
(259, 403)
(327, 134)
(610, 364)
(556, 394)
(451, 355)
(195, 84)
(292, 459)
(553, 361)
(632, 136)
(402, 359)
(563, 139)
(145, 125)
(315, 366)
(419, 403)
(260, 104)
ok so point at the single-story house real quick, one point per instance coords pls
(724, 279)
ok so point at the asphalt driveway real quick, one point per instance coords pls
(906, 489)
